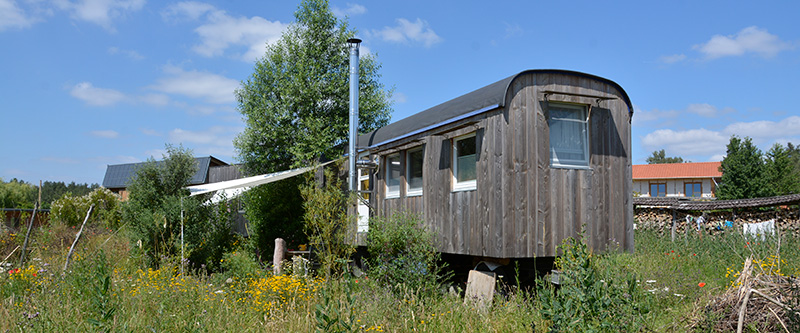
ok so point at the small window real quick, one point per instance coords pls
(464, 162)
(658, 190)
(693, 190)
(569, 139)
(393, 172)
(414, 171)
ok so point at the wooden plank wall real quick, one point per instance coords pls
(522, 207)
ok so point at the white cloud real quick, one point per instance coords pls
(100, 12)
(150, 132)
(155, 99)
(748, 40)
(765, 129)
(705, 110)
(671, 59)
(191, 10)
(12, 16)
(129, 53)
(96, 96)
(690, 142)
(513, 30)
(156, 154)
(108, 134)
(703, 142)
(399, 97)
(406, 31)
(212, 88)
(60, 160)
(217, 140)
(645, 116)
(351, 10)
(221, 32)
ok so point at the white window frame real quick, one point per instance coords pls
(584, 121)
(410, 192)
(362, 208)
(390, 194)
(469, 184)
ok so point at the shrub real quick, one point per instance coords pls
(327, 222)
(275, 210)
(587, 300)
(159, 204)
(402, 253)
(207, 242)
(71, 210)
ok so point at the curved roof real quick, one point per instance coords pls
(464, 106)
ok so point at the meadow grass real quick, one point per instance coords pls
(674, 280)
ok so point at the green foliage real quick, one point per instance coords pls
(157, 197)
(275, 210)
(327, 222)
(100, 292)
(295, 104)
(660, 157)
(240, 265)
(17, 194)
(208, 242)
(587, 300)
(336, 313)
(20, 194)
(154, 206)
(402, 253)
(71, 210)
(781, 172)
(742, 171)
(296, 109)
(52, 191)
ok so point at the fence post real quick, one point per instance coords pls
(277, 256)
(27, 235)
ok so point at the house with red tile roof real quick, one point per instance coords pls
(691, 180)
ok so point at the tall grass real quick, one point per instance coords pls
(674, 280)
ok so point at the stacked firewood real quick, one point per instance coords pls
(787, 220)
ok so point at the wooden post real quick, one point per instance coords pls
(277, 257)
(674, 221)
(78, 236)
(27, 236)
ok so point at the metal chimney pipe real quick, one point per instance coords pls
(352, 44)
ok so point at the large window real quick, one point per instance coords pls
(693, 189)
(658, 189)
(569, 137)
(464, 162)
(414, 171)
(393, 172)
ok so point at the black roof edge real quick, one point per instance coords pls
(576, 73)
(367, 141)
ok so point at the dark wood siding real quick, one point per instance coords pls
(523, 207)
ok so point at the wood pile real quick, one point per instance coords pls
(759, 299)
(660, 220)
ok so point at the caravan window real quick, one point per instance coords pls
(569, 137)
(393, 171)
(414, 171)
(464, 162)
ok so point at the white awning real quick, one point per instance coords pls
(233, 188)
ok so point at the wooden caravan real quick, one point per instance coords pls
(513, 168)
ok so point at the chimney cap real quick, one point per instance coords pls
(354, 40)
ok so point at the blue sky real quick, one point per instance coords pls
(88, 83)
